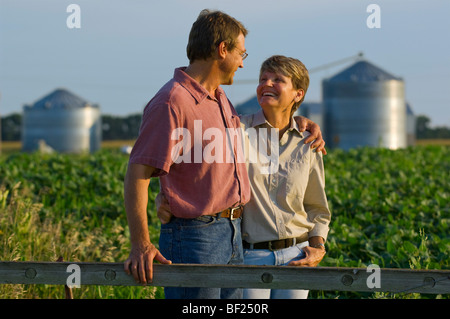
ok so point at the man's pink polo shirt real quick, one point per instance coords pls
(199, 179)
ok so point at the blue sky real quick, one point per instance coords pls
(126, 50)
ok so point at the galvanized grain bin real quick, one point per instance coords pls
(410, 126)
(63, 122)
(364, 106)
(313, 111)
(250, 106)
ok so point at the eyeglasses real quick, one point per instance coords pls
(244, 55)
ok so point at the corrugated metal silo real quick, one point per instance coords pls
(410, 126)
(313, 111)
(364, 106)
(248, 107)
(63, 122)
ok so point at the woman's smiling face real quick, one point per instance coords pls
(275, 90)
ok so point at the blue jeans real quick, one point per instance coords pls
(282, 257)
(203, 240)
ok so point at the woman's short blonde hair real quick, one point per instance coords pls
(291, 68)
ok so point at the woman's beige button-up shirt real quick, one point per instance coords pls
(287, 201)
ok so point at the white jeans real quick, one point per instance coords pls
(282, 257)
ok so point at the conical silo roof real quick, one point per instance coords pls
(409, 109)
(362, 71)
(60, 99)
(248, 107)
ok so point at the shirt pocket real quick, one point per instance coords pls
(297, 174)
(292, 193)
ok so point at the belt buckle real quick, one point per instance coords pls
(232, 212)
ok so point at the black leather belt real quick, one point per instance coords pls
(274, 244)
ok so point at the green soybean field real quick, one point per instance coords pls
(390, 208)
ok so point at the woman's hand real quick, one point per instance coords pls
(313, 257)
(163, 208)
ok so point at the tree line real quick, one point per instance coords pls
(127, 128)
(424, 131)
(113, 127)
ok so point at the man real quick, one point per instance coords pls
(205, 197)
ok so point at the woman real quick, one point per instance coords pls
(286, 221)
